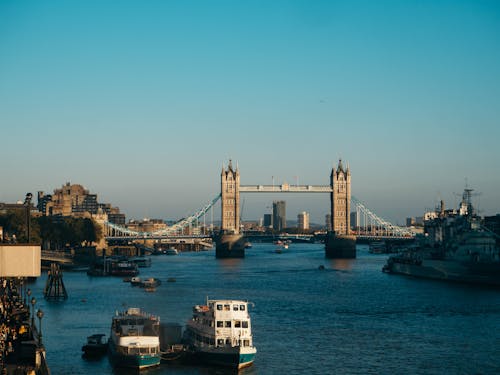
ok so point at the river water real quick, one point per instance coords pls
(349, 318)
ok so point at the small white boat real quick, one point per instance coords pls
(171, 251)
(150, 283)
(135, 281)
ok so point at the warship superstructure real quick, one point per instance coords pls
(455, 247)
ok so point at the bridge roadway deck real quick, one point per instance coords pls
(56, 257)
(186, 239)
(285, 188)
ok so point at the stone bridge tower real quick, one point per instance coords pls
(230, 243)
(340, 199)
(339, 243)
(230, 200)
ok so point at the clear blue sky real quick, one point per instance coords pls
(142, 101)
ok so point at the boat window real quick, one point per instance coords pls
(242, 307)
(227, 324)
(227, 308)
(237, 324)
(133, 350)
(235, 307)
(244, 324)
(144, 350)
(219, 307)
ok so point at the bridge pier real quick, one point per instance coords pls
(229, 246)
(54, 288)
(340, 246)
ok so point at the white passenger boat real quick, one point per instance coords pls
(220, 333)
(135, 339)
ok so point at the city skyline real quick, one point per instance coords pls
(142, 103)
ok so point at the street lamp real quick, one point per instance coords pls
(27, 203)
(21, 290)
(33, 302)
(39, 314)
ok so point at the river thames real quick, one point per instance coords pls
(349, 318)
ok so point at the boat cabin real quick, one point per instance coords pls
(222, 323)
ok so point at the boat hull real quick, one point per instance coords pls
(464, 272)
(227, 357)
(94, 350)
(132, 361)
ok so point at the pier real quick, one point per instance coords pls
(21, 347)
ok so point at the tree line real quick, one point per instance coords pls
(52, 232)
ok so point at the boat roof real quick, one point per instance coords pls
(227, 301)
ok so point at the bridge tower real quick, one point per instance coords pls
(230, 242)
(339, 243)
(340, 199)
(230, 199)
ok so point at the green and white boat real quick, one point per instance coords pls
(134, 341)
(220, 333)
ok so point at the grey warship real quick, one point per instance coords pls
(455, 247)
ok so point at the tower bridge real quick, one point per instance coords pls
(340, 242)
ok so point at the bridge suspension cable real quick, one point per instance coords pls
(377, 225)
(375, 222)
(170, 231)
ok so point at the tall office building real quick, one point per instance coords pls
(303, 220)
(268, 220)
(279, 215)
(328, 222)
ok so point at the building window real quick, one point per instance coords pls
(220, 324)
(227, 324)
